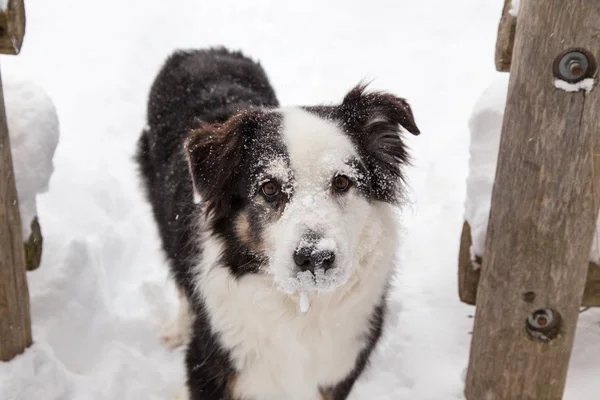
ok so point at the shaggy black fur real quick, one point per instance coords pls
(206, 130)
(195, 88)
(205, 86)
(372, 120)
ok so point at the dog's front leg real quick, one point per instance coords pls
(210, 374)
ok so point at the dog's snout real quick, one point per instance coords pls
(311, 255)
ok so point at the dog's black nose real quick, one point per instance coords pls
(309, 259)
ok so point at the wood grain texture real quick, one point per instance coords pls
(33, 246)
(543, 213)
(12, 27)
(468, 278)
(506, 38)
(15, 324)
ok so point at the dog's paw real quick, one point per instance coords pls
(173, 337)
(178, 332)
(183, 395)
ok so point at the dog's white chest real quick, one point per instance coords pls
(278, 351)
(292, 358)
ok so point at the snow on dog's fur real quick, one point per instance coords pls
(278, 224)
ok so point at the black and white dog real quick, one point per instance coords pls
(278, 224)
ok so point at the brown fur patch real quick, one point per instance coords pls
(328, 395)
(244, 233)
(232, 389)
(243, 230)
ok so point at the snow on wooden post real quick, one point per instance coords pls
(544, 208)
(15, 323)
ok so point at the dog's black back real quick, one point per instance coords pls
(201, 85)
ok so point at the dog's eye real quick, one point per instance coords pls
(270, 189)
(341, 183)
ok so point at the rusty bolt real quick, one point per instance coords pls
(574, 65)
(543, 324)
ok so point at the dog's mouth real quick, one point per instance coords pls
(299, 284)
(321, 281)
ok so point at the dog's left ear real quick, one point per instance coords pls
(214, 153)
(375, 120)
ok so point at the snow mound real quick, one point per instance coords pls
(485, 125)
(34, 133)
(35, 374)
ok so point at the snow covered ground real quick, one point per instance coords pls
(101, 294)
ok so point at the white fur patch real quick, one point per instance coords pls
(281, 353)
(318, 150)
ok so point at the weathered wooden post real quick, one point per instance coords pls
(506, 38)
(15, 324)
(544, 207)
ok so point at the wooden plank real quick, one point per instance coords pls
(506, 38)
(543, 213)
(15, 324)
(468, 277)
(33, 246)
(12, 27)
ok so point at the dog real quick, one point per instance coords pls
(278, 224)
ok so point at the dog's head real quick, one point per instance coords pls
(291, 192)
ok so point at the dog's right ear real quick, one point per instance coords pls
(214, 153)
(374, 120)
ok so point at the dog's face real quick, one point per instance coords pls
(291, 192)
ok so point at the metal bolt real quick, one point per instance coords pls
(543, 324)
(576, 68)
(541, 318)
(574, 65)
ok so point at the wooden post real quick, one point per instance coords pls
(468, 277)
(543, 214)
(12, 27)
(15, 324)
(506, 38)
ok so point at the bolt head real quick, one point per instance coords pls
(543, 324)
(574, 65)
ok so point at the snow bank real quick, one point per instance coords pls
(34, 132)
(486, 126)
(35, 374)
(95, 326)
(101, 295)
